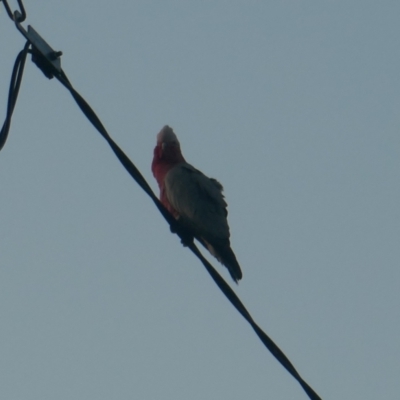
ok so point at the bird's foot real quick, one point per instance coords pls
(186, 240)
(183, 233)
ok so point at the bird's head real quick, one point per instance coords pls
(168, 148)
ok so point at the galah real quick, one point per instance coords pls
(194, 199)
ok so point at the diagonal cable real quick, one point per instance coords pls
(175, 227)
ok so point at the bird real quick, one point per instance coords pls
(194, 199)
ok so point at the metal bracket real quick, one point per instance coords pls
(47, 59)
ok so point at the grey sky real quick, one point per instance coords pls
(294, 107)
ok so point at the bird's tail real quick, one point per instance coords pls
(225, 255)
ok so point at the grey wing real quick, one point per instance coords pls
(199, 202)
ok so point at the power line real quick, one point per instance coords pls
(49, 62)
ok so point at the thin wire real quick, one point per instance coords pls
(15, 84)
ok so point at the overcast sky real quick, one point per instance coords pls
(292, 105)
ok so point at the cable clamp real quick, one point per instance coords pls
(46, 59)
